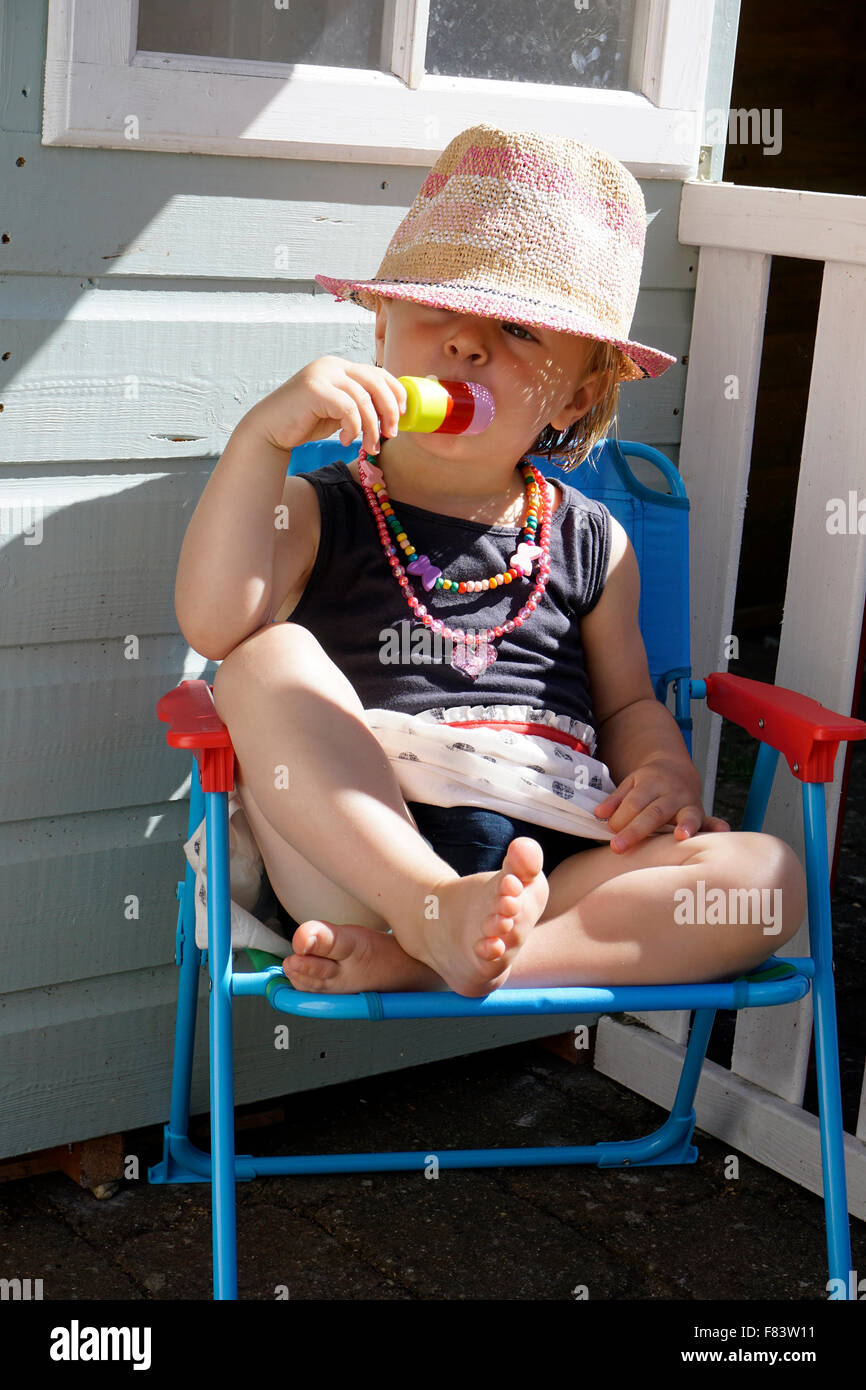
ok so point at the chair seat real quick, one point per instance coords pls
(779, 981)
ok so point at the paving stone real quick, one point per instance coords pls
(461, 1236)
(281, 1256)
(37, 1244)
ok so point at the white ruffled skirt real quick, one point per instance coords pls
(542, 777)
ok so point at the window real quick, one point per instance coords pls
(377, 80)
(571, 45)
(327, 33)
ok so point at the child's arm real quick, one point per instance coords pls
(224, 588)
(224, 576)
(637, 737)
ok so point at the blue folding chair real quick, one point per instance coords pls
(806, 732)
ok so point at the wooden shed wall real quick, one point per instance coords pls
(148, 301)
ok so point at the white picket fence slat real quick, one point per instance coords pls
(758, 1103)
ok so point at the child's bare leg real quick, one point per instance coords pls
(287, 706)
(614, 919)
(360, 953)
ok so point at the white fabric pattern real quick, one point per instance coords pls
(527, 776)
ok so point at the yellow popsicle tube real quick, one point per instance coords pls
(445, 407)
(426, 404)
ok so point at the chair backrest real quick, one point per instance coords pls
(657, 524)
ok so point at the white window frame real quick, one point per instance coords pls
(101, 93)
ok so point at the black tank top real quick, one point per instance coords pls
(357, 611)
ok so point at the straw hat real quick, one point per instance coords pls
(537, 229)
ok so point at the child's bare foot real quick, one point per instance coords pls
(482, 921)
(348, 959)
(467, 933)
(469, 944)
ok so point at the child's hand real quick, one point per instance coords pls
(329, 394)
(653, 795)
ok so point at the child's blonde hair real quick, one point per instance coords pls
(568, 449)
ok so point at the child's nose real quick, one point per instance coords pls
(470, 338)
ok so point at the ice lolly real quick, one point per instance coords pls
(445, 407)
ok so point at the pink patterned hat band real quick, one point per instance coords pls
(538, 229)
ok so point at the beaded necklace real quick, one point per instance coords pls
(473, 650)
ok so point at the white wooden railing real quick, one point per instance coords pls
(757, 1105)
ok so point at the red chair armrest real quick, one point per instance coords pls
(194, 723)
(807, 733)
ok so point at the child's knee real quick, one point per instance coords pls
(767, 869)
(755, 884)
(775, 861)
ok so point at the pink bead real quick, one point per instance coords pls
(509, 626)
(421, 610)
(446, 632)
(498, 631)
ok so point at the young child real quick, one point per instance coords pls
(413, 855)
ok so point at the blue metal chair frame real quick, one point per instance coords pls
(778, 981)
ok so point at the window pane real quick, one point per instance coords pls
(333, 33)
(553, 41)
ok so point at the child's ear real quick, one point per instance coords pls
(381, 321)
(588, 394)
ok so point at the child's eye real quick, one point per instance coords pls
(520, 328)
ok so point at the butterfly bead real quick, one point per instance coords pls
(369, 473)
(524, 557)
(428, 571)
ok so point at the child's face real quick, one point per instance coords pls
(537, 376)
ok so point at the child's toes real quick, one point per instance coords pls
(312, 938)
(525, 859)
(311, 969)
(497, 927)
(490, 948)
(512, 884)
